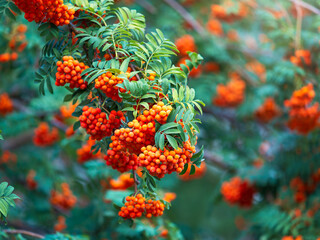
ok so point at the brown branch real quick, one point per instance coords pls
(307, 6)
(136, 182)
(24, 232)
(146, 5)
(218, 162)
(186, 16)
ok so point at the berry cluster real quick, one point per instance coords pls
(292, 238)
(186, 44)
(85, 154)
(64, 200)
(96, 123)
(302, 189)
(31, 183)
(301, 58)
(195, 72)
(137, 206)
(44, 137)
(8, 157)
(160, 162)
(169, 196)
(224, 13)
(6, 57)
(67, 111)
(61, 224)
(238, 191)
(258, 69)
(108, 82)
(215, 27)
(303, 117)
(232, 94)
(122, 154)
(122, 183)
(200, 171)
(6, 105)
(69, 71)
(46, 11)
(268, 111)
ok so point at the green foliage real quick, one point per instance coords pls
(7, 198)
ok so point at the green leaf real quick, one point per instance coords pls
(173, 142)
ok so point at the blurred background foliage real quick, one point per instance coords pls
(268, 155)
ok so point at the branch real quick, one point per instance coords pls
(146, 5)
(136, 182)
(24, 232)
(218, 162)
(307, 6)
(299, 25)
(186, 16)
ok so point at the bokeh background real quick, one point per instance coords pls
(256, 41)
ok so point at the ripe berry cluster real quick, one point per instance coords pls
(61, 224)
(160, 162)
(268, 111)
(122, 183)
(303, 116)
(96, 123)
(6, 105)
(137, 206)
(69, 71)
(65, 200)
(46, 11)
(238, 191)
(44, 137)
(122, 154)
(108, 84)
(85, 154)
(232, 94)
(31, 182)
(200, 171)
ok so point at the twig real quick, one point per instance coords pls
(24, 232)
(186, 16)
(298, 26)
(217, 162)
(307, 6)
(136, 182)
(146, 5)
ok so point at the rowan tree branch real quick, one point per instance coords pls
(24, 232)
(186, 16)
(307, 6)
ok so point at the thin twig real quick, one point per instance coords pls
(217, 162)
(186, 16)
(136, 182)
(307, 6)
(298, 26)
(146, 5)
(24, 232)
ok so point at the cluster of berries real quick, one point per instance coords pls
(124, 182)
(268, 111)
(302, 189)
(108, 82)
(238, 191)
(96, 123)
(31, 182)
(258, 69)
(64, 200)
(137, 206)
(223, 12)
(44, 137)
(303, 116)
(8, 157)
(122, 154)
(293, 238)
(200, 171)
(61, 224)
(185, 44)
(301, 58)
(6, 105)
(85, 153)
(160, 162)
(16, 44)
(69, 71)
(46, 11)
(232, 94)
(169, 197)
